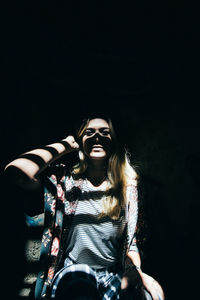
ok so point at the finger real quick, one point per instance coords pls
(157, 286)
(75, 145)
(159, 290)
(154, 293)
(70, 139)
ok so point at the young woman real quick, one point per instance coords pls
(91, 211)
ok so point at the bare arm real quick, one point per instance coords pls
(135, 259)
(133, 255)
(25, 169)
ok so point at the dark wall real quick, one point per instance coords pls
(139, 63)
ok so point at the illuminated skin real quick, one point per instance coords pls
(97, 146)
(97, 140)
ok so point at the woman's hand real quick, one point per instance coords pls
(152, 286)
(132, 278)
(71, 145)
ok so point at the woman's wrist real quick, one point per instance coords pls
(132, 265)
(60, 147)
(139, 271)
(138, 268)
(57, 149)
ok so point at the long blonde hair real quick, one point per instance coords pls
(119, 173)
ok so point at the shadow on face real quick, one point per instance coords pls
(97, 140)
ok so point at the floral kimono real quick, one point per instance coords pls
(61, 194)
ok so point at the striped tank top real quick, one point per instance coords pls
(91, 240)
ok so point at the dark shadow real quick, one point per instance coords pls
(13, 239)
(154, 231)
(192, 245)
(77, 287)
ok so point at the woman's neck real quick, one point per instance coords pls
(96, 172)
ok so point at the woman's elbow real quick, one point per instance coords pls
(16, 176)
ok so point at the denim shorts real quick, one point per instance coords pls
(107, 281)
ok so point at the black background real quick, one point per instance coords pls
(140, 64)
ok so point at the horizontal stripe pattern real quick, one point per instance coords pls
(93, 241)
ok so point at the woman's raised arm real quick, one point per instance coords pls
(25, 169)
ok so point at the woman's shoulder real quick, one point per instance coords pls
(132, 182)
(131, 177)
(74, 180)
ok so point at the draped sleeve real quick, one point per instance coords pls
(54, 198)
(132, 199)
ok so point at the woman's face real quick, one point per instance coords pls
(96, 140)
